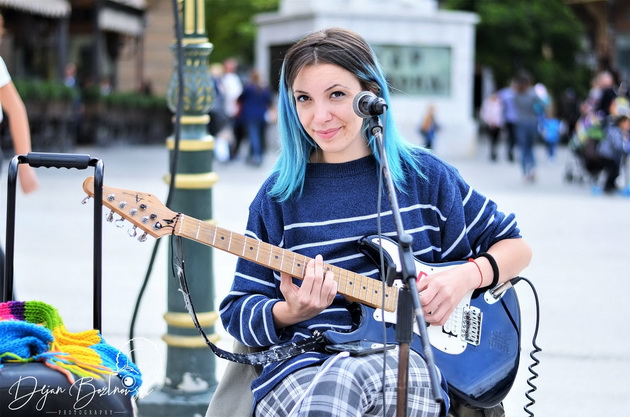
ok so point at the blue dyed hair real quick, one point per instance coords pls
(351, 52)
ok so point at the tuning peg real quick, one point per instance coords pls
(133, 232)
(143, 237)
(85, 200)
(110, 217)
(120, 222)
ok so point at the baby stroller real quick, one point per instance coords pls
(583, 164)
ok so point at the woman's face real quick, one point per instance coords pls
(323, 96)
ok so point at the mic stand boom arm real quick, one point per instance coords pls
(407, 271)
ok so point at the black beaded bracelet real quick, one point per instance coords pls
(495, 268)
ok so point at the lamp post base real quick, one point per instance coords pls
(168, 402)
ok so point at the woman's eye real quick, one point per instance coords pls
(338, 94)
(301, 98)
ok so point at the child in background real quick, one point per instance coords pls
(550, 131)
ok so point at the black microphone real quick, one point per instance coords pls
(367, 104)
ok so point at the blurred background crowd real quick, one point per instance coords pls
(546, 73)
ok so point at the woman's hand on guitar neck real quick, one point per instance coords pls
(303, 302)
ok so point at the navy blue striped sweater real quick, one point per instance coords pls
(447, 218)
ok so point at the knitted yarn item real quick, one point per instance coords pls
(22, 339)
(34, 331)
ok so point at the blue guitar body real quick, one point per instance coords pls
(479, 359)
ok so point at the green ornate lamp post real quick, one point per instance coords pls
(190, 365)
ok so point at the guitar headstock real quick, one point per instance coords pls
(143, 210)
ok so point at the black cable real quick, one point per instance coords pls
(532, 354)
(173, 168)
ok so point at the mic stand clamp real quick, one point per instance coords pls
(407, 274)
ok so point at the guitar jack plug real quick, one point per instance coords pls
(498, 291)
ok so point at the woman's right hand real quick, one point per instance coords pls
(303, 302)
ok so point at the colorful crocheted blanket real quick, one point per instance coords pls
(34, 331)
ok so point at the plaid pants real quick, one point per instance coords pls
(351, 387)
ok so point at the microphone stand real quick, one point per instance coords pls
(408, 276)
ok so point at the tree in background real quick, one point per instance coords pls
(230, 27)
(540, 36)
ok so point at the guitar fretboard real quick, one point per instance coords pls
(355, 287)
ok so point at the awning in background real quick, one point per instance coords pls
(48, 8)
(136, 4)
(120, 22)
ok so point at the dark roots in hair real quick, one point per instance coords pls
(336, 46)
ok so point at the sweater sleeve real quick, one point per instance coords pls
(472, 222)
(246, 310)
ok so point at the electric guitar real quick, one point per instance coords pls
(477, 350)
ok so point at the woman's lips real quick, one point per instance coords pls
(328, 133)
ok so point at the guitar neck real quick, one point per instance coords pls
(353, 286)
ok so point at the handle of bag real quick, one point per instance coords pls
(56, 160)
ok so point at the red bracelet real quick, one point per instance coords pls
(480, 273)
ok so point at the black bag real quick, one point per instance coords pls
(34, 389)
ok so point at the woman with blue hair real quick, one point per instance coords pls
(321, 198)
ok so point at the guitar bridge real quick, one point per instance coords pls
(471, 325)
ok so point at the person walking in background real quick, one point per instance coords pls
(509, 118)
(254, 103)
(606, 93)
(429, 127)
(613, 149)
(492, 116)
(220, 125)
(232, 89)
(12, 105)
(527, 105)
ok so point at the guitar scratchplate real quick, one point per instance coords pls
(472, 318)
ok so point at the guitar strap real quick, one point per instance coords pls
(274, 354)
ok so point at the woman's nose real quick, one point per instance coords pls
(322, 112)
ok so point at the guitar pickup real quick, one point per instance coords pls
(471, 325)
